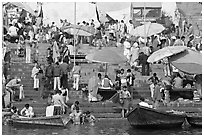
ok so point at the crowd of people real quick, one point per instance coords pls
(59, 69)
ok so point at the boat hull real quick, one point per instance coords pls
(195, 121)
(143, 117)
(54, 121)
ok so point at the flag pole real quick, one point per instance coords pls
(74, 33)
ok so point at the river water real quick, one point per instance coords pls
(101, 127)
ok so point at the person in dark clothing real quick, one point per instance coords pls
(65, 70)
(145, 65)
(190, 42)
(42, 82)
(7, 57)
(6, 67)
(49, 75)
(118, 80)
(130, 80)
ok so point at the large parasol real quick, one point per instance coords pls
(189, 61)
(165, 52)
(148, 29)
(106, 55)
(80, 30)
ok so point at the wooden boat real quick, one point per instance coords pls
(57, 121)
(143, 117)
(195, 121)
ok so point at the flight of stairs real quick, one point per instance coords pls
(100, 110)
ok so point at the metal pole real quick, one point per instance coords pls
(74, 33)
(145, 23)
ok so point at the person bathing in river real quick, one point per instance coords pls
(74, 107)
(75, 113)
(77, 117)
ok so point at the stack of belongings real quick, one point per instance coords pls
(196, 96)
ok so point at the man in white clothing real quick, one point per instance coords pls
(127, 48)
(27, 111)
(12, 31)
(130, 26)
(76, 75)
(34, 75)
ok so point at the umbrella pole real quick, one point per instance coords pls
(169, 67)
(74, 33)
(106, 68)
(144, 23)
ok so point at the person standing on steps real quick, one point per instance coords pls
(65, 70)
(145, 65)
(153, 80)
(57, 73)
(49, 75)
(42, 82)
(125, 100)
(76, 75)
(58, 103)
(34, 75)
(28, 49)
(12, 86)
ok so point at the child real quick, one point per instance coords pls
(77, 117)
(65, 94)
(15, 112)
(125, 100)
(89, 117)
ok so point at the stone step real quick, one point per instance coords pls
(98, 115)
(41, 109)
(107, 115)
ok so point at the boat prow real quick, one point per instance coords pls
(144, 117)
(195, 121)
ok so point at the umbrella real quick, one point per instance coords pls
(80, 30)
(165, 52)
(148, 29)
(106, 55)
(189, 61)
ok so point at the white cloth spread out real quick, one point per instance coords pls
(144, 104)
(49, 111)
